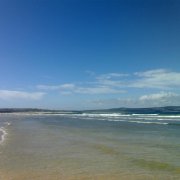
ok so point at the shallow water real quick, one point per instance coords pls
(88, 147)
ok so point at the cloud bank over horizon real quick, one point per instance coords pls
(158, 87)
(20, 95)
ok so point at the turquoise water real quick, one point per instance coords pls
(90, 146)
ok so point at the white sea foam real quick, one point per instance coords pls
(139, 122)
(148, 122)
(4, 133)
(7, 123)
(127, 115)
(177, 120)
(106, 115)
(117, 120)
(109, 117)
(145, 114)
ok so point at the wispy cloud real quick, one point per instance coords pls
(117, 80)
(158, 78)
(148, 100)
(67, 89)
(9, 95)
(158, 96)
(97, 90)
(56, 87)
(114, 83)
(111, 76)
(160, 99)
(102, 84)
(112, 86)
(153, 79)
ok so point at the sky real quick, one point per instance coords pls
(93, 54)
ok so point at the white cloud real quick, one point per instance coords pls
(48, 87)
(112, 79)
(158, 96)
(154, 79)
(149, 100)
(151, 73)
(93, 88)
(69, 86)
(158, 78)
(56, 87)
(114, 83)
(9, 95)
(97, 90)
(160, 99)
(111, 76)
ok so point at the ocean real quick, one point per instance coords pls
(97, 146)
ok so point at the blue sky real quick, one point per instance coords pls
(76, 54)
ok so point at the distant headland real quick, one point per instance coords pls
(124, 110)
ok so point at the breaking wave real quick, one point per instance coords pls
(3, 132)
(131, 118)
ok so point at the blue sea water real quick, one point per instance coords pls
(90, 146)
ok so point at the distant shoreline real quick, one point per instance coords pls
(150, 110)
